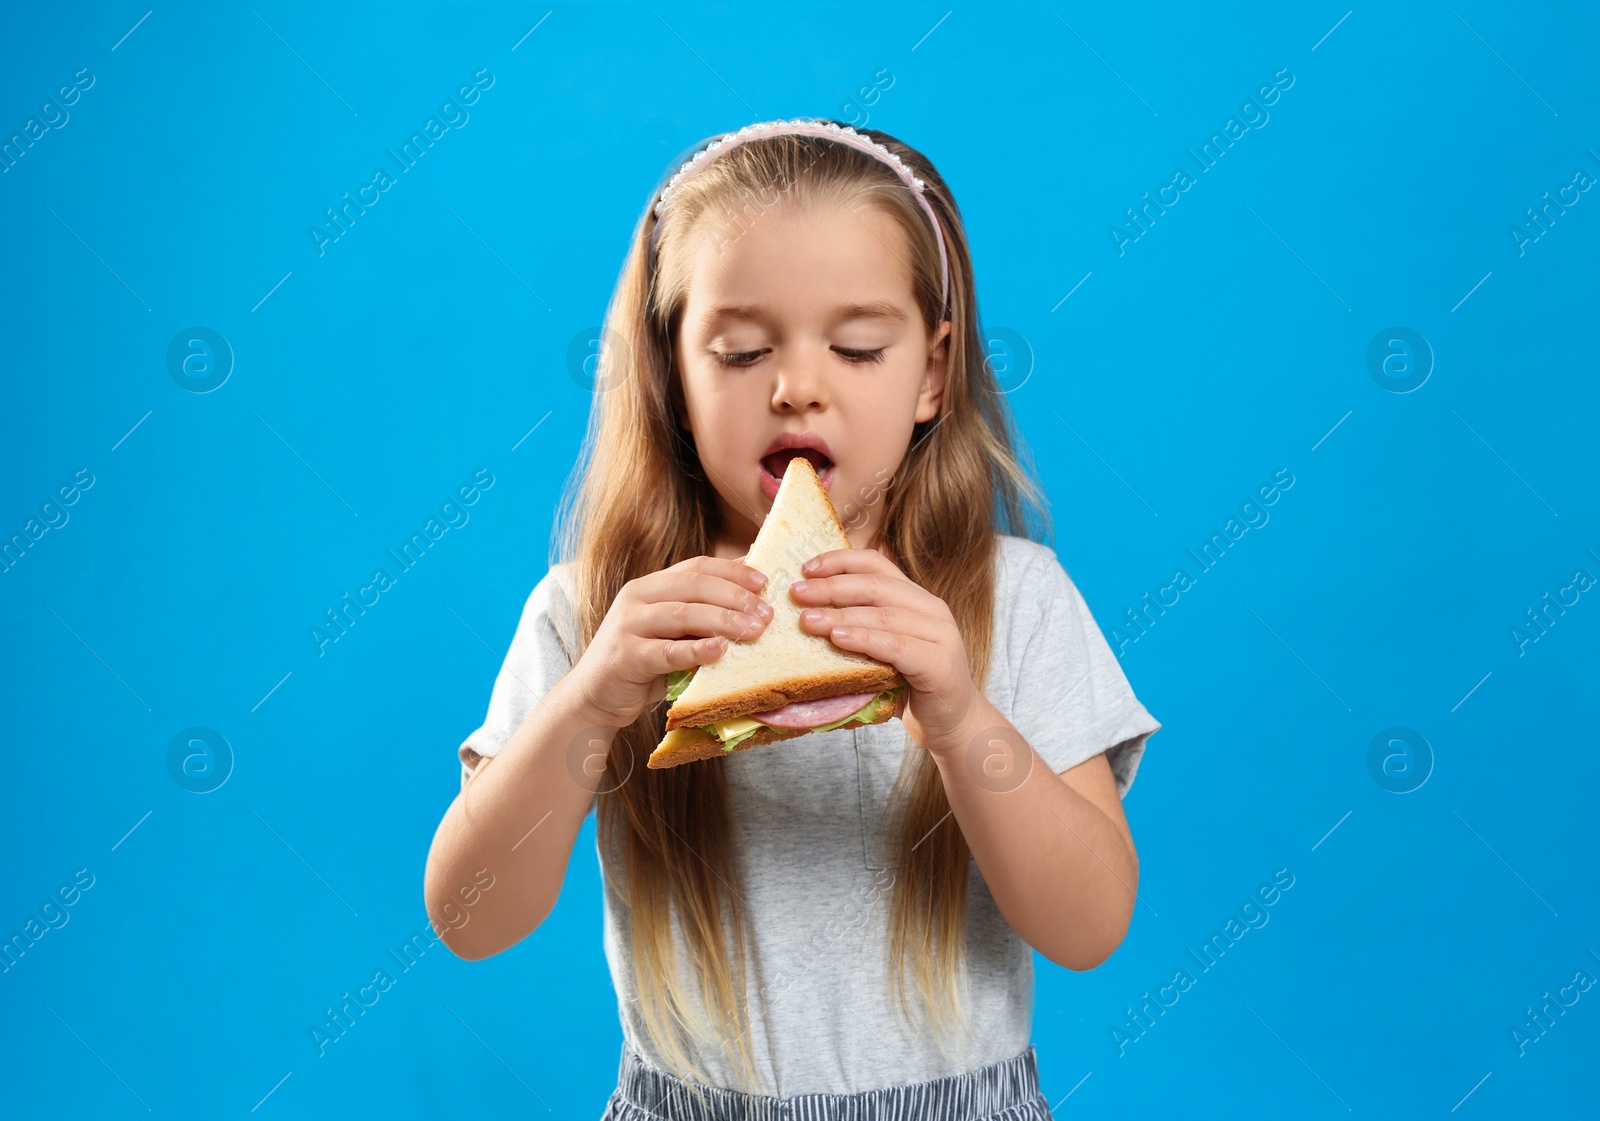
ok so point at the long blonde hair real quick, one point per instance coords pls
(960, 484)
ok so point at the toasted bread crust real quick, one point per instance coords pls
(690, 744)
(776, 694)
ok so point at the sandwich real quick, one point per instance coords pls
(787, 682)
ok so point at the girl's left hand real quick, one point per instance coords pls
(862, 601)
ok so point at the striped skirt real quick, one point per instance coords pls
(1002, 1091)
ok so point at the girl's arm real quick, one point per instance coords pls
(1055, 851)
(518, 817)
(515, 821)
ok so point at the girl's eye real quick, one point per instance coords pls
(850, 354)
(862, 355)
(743, 358)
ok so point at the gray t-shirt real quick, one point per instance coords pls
(817, 881)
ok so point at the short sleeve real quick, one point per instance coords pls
(542, 651)
(1072, 700)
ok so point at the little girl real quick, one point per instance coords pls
(842, 926)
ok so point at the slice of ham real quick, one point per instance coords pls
(811, 714)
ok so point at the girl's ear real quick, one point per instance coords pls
(933, 378)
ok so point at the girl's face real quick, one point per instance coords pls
(805, 325)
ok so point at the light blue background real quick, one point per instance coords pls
(422, 346)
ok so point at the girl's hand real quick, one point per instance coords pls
(674, 619)
(863, 602)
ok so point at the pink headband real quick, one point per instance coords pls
(829, 130)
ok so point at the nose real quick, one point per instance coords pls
(800, 384)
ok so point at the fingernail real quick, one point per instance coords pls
(811, 616)
(800, 585)
(809, 566)
(758, 578)
(764, 609)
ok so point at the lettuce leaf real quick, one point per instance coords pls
(678, 681)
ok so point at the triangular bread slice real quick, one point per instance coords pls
(786, 663)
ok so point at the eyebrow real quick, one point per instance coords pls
(872, 309)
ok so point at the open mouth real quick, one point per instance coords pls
(778, 462)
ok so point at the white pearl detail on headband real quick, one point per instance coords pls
(858, 140)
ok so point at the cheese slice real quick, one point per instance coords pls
(738, 726)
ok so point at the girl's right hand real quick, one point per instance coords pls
(674, 619)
